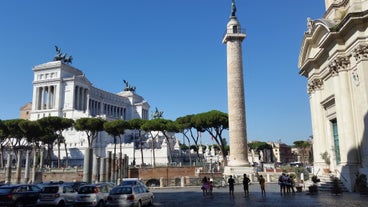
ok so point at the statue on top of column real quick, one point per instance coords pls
(233, 8)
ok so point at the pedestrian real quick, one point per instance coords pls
(246, 182)
(231, 182)
(292, 183)
(288, 184)
(282, 183)
(262, 182)
(204, 185)
(210, 186)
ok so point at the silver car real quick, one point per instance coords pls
(93, 195)
(57, 194)
(129, 195)
(131, 181)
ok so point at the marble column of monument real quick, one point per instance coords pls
(238, 160)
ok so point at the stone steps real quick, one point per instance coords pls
(326, 183)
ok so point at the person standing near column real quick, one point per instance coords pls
(262, 182)
(246, 182)
(231, 182)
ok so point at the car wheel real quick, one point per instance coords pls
(61, 204)
(150, 202)
(19, 204)
(139, 203)
(100, 204)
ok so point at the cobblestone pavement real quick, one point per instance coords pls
(192, 196)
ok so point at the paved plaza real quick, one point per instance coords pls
(192, 196)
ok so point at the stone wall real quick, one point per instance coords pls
(64, 175)
(166, 173)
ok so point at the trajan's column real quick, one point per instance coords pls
(238, 163)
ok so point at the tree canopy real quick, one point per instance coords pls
(214, 122)
(91, 126)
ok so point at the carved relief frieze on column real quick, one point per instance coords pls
(315, 84)
(360, 52)
(338, 64)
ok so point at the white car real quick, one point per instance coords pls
(129, 195)
(93, 195)
(57, 194)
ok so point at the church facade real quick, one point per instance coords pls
(334, 60)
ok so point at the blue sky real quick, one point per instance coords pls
(171, 51)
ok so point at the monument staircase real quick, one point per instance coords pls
(326, 183)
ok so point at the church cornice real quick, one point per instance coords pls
(360, 52)
(315, 84)
(336, 5)
(325, 32)
(340, 63)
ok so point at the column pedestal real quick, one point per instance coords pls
(238, 171)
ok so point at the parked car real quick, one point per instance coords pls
(129, 195)
(19, 195)
(74, 184)
(77, 184)
(57, 194)
(131, 181)
(93, 195)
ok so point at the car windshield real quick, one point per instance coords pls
(87, 190)
(130, 182)
(53, 189)
(121, 190)
(5, 190)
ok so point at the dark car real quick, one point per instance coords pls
(19, 195)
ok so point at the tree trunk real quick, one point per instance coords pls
(114, 165)
(141, 146)
(153, 153)
(58, 158)
(66, 154)
(169, 146)
(1, 156)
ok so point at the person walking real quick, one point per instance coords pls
(231, 182)
(262, 183)
(246, 182)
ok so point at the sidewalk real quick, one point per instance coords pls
(192, 196)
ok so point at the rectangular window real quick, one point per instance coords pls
(336, 141)
(235, 29)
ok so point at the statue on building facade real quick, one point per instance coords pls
(128, 87)
(309, 25)
(62, 56)
(157, 114)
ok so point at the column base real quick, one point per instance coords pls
(238, 171)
